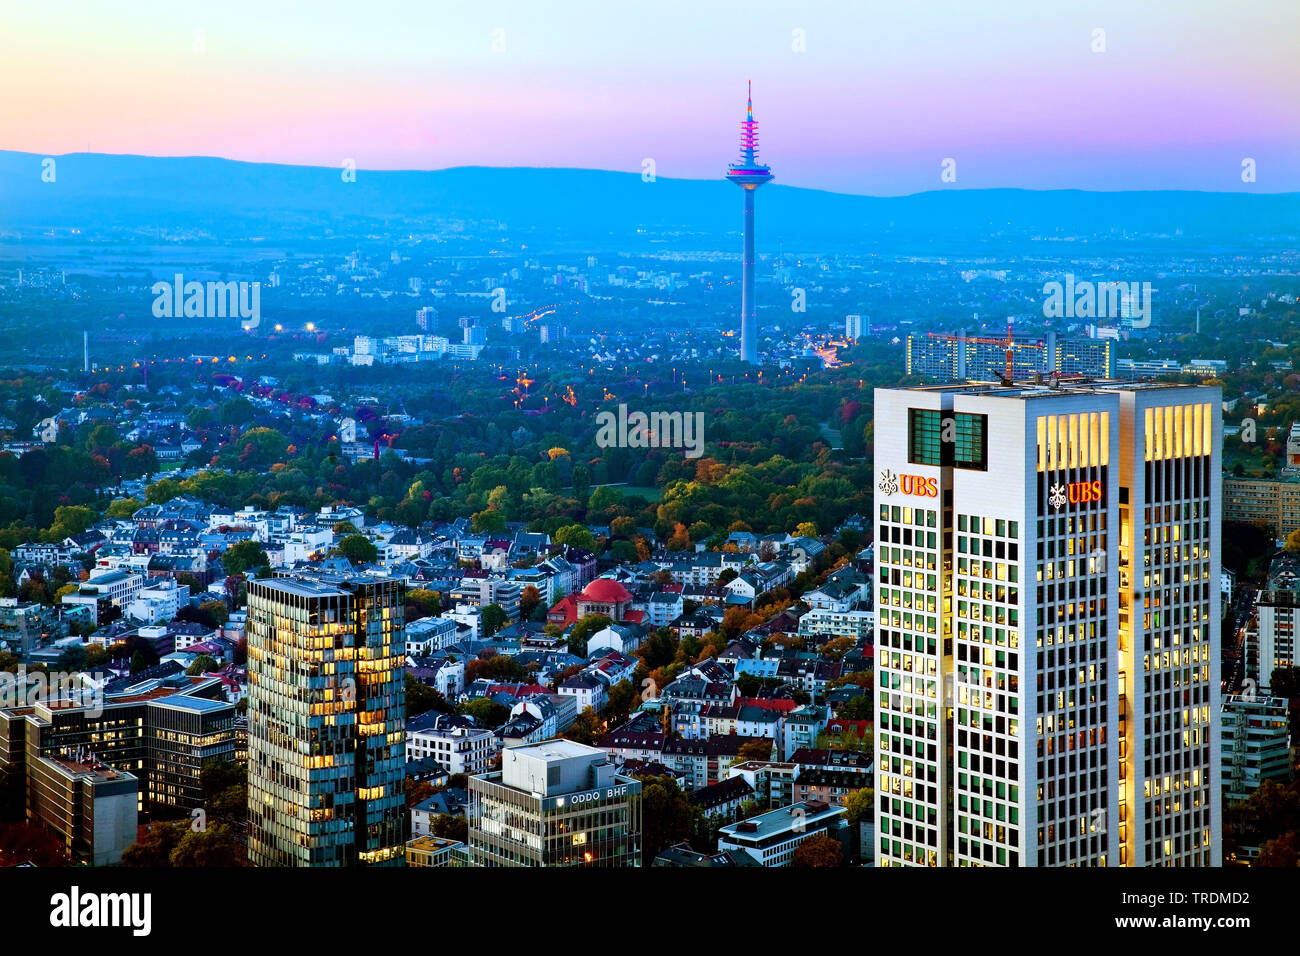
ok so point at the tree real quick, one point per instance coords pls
(529, 600)
(244, 556)
(857, 708)
(421, 698)
(486, 712)
(495, 667)
(1281, 851)
(680, 539)
(1270, 812)
(667, 816)
(587, 728)
(494, 618)
(858, 805)
(806, 529)
(622, 698)
(27, 843)
(488, 522)
(70, 520)
(836, 648)
(358, 549)
(1293, 541)
(213, 613)
(575, 536)
(155, 850)
(202, 664)
(123, 508)
(214, 846)
(583, 630)
(755, 750)
(421, 602)
(449, 827)
(225, 788)
(736, 620)
(1285, 682)
(417, 791)
(818, 851)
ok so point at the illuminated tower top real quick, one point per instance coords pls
(749, 173)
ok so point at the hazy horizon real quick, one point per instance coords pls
(856, 100)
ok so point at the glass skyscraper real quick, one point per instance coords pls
(326, 721)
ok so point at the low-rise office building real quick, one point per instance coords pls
(772, 838)
(555, 803)
(87, 804)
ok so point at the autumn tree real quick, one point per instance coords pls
(1283, 851)
(819, 850)
(755, 750)
(421, 602)
(529, 600)
(858, 805)
(587, 728)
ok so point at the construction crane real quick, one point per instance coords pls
(1008, 344)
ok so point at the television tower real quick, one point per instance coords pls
(749, 174)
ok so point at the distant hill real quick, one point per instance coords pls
(238, 199)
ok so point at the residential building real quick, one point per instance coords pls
(1256, 743)
(1274, 502)
(467, 750)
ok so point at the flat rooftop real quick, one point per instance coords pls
(87, 768)
(198, 705)
(778, 821)
(1046, 388)
(302, 587)
(558, 749)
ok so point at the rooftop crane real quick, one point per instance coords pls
(1008, 344)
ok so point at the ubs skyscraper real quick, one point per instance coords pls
(326, 721)
(1047, 625)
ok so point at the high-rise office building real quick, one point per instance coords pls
(326, 721)
(749, 174)
(1047, 625)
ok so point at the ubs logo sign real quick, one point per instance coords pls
(1075, 493)
(908, 485)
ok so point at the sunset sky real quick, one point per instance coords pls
(881, 94)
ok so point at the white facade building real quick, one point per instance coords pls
(1047, 570)
(465, 750)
